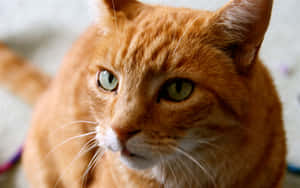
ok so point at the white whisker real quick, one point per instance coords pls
(78, 155)
(162, 169)
(179, 150)
(171, 170)
(92, 163)
(100, 155)
(68, 140)
(87, 123)
(204, 142)
(187, 180)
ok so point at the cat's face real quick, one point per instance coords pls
(153, 93)
(162, 86)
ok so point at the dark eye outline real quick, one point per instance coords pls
(163, 93)
(100, 85)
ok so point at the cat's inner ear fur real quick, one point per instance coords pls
(240, 27)
(113, 13)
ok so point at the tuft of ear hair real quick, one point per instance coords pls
(110, 14)
(241, 26)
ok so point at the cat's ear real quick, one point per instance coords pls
(113, 13)
(240, 27)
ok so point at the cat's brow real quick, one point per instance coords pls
(152, 45)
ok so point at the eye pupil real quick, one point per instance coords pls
(177, 90)
(178, 86)
(111, 78)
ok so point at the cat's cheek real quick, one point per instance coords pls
(189, 141)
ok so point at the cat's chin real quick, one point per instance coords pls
(136, 162)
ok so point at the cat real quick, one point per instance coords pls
(154, 96)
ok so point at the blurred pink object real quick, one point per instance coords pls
(285, 69)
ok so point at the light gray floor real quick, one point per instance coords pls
(42, 31)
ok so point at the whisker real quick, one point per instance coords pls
(178, 149)
(207, 141)
(90, 166)
(201, 142)
(68, 140)
(176, 166)
(187, 180)
(171, 169)
(162, 168)
(87, 123)
(78, 155)
(100, 155)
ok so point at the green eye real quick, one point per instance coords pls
(178, 90)
(107, 81)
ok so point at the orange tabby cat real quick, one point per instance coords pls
(155, 96)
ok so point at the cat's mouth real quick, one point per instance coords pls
(126, 153)
(136, 161)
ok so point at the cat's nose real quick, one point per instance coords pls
(124, 134)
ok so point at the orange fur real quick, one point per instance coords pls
(234, 109)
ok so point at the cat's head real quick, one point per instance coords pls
(165, 82)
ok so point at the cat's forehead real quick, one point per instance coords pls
(156, 42)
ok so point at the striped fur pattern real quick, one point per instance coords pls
(228, 133)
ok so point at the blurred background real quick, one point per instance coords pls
(42, 31)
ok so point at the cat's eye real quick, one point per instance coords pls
(178, 90)
(107, 80)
